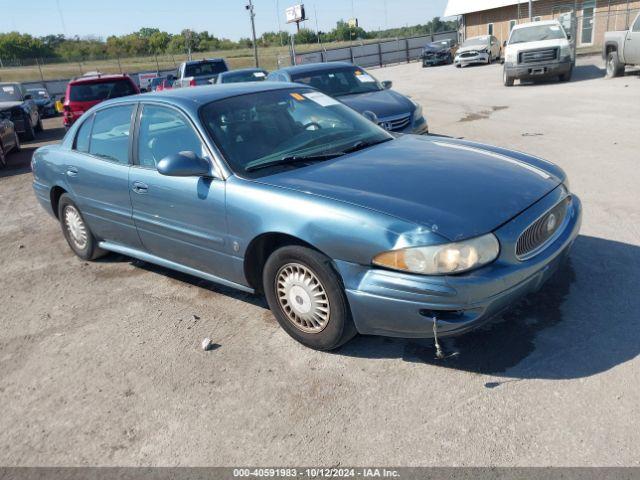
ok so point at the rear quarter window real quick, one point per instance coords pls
(83, 137)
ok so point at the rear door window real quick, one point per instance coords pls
(110, 134)
(83, 138)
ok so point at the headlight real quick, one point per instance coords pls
(442, 259)
(417, 113)
(510, 57)
(565, 52)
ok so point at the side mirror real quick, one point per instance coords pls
(184, 164)
(387, 84)
(568, 36)
(28, 96)
(504, 44)
(369, 115)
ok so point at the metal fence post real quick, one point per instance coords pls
(380, 52)
(351, 53)
(406, 46)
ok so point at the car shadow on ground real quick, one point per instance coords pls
(584, 321)
(581, 73)
(20, 162)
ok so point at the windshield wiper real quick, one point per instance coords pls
(362, 145)
(292, 159)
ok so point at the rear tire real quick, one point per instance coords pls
(17, 146)
(76, 231)
(28, 134)
(614, 67)
(307, 297)
(3, 157)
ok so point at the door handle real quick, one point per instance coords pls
(72, 171)
(140, 187)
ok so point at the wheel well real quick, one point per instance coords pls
(56, 193)
(259, 251)
(611, 47)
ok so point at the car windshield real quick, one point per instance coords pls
(341, 81)
(39, 94)
(200, 69)
(536, 33)
(91, 92)
(263, 131)
(441, 44)
(9, 93)
(475, 42)
(250, 76)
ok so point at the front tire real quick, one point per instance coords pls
(614, 67)
(506, 79)
(28, 134)
(39, 127)
(307, 298)
(565, 77)
(3, 157)
(76, 231)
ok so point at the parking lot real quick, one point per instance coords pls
(101, 362)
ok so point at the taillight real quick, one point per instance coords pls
(192, 82)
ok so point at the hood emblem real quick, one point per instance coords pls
(552, 221)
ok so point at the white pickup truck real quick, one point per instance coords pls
(538, 50)
(621, 49)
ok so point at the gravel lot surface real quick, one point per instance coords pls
(101, 364)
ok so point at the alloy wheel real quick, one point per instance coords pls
(75, 227)
(302, 298)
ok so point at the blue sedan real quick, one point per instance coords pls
(358, 89)
(279, 189)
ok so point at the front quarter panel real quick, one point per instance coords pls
(344, 232)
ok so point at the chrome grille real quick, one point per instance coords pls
(542, 230)
(469, 54)
(537, 56)
(395, 124)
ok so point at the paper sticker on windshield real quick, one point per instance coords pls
(321, 99)
(365, 78)
(297, 96)
(259, 74)
(8, 89)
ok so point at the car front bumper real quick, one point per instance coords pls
(395, 304)
(478, 58)
(534, 71)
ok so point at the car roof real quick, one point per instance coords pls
(315, 67)
(533, 24)
(242, 70)
(98, 78)
(191, 98)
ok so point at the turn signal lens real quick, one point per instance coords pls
(442, 259)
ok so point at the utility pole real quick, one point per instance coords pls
(253, 31)
(530, 10)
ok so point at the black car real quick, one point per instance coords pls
(22, 109)
(438, 53)
(46, 105)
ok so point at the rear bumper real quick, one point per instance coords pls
(542, 70)
(395, 304)
(42, 193)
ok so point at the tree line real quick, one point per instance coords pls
(15, 46)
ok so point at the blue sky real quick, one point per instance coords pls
(223, 18)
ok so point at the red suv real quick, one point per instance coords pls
(85, 92)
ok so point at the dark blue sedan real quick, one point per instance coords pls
(357, 88)
(279, 189)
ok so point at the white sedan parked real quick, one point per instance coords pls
(484, 49)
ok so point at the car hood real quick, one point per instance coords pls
(8, 105)
(384, 103)
(458, 189)
(472, 48)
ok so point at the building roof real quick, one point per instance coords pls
(460, 7)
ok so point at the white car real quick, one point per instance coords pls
(538, 50)
(484, 49)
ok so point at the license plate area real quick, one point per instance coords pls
(537, 71)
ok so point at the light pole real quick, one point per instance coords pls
(253, 31)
